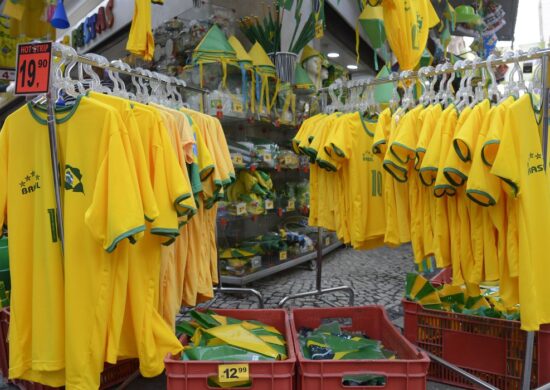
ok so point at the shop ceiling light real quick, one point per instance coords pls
(352, 67)
(333, 55)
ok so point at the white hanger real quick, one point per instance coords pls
(423, 77)
(96, 81)
(395, 99)
(492, 91)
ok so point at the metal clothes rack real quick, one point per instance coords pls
(544, 56)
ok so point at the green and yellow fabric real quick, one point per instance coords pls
(265, 72)
(371, 21)
(407, 24)
(302, 81)
(245, 63)
(214, 48)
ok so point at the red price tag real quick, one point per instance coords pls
(33, 68)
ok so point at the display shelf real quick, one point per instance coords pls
(228, 119)
(253, 217)
(268, 271)
(277, 168)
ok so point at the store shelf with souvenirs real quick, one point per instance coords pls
(262, 224)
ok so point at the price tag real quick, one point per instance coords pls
(215, 103)
(237, 159)
(268, 204)
(241, 208)
(237, 107)
(34, 61)
(291, 205)
(288, 160)
(283, 255)
(327, 241)
(7, 74)
(266, 156)
(228, 373)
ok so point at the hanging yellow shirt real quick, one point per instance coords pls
(145, 334)
(352, 141)
(97, 218)
(519, 163)
(429, 123)
(407, 25)
(404, 149)
(140, 38)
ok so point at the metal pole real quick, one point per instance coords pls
(528, 361)
(55, 166)
(463, 373)
(319, 275)
(318, 280)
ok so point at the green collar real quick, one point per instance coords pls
(37, 110)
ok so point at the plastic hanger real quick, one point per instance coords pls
(423, 77)
(492, 91)
(395, 99)
(70, 84)
(96, 81)
(408, 100)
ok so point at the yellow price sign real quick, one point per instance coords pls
(237, 107)
(241, 208)
(237, 159)
(268, 204)
(283, 255)
(266, 156)
(291, 205)
(228, 373)
(327, 241)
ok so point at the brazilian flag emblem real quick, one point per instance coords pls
(73, 179)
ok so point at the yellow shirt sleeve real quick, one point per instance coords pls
(381, 134)
(455, 169)
(115, 212)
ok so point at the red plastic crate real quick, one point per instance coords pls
(277, 375)
(407, 372)
(491, 349)
(112, 375)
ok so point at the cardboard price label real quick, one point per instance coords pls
(283, 255)
(241, 208)
(237, 107)
(228, 373)
(7, 74)
(266, 156)
(268, 204)
(291, 205)
(237, 159)
(327, 241)
(34, 62)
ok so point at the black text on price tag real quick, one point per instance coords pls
(7, 74)
(33, 68)
(228, 373)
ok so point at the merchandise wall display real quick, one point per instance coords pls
(140, 187)
(452, 181)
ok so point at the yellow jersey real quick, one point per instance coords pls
(140, 38)
(351, 141)
(519, 163)
(74, 296)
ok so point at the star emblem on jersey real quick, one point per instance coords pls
(29, 183)
(73, 179)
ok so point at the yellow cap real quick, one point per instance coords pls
(260, 57)
(309, 52)
(242, 55)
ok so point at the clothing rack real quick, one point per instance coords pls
(426, 72)
(62, 51)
